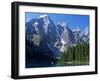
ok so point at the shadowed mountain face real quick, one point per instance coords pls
(46, 41)
(42, 33)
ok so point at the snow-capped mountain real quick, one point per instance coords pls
(43, 33)
(81, 36)
(51, 39)
(77, 35)
(66, 34)
(85, 35)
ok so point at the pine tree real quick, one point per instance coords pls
(75, 55)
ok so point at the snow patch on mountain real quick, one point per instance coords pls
(43, 16)
(63, 24)
(76, 29)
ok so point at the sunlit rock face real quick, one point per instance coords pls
(66, 34)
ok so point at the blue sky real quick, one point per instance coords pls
(73, 21)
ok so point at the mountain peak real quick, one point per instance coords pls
(76, 29)
(45, 18)
(86, 31)
(63, 24)
(42, 16)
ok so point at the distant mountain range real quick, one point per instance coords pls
(50, 38)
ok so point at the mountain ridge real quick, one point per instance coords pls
(51, 37)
